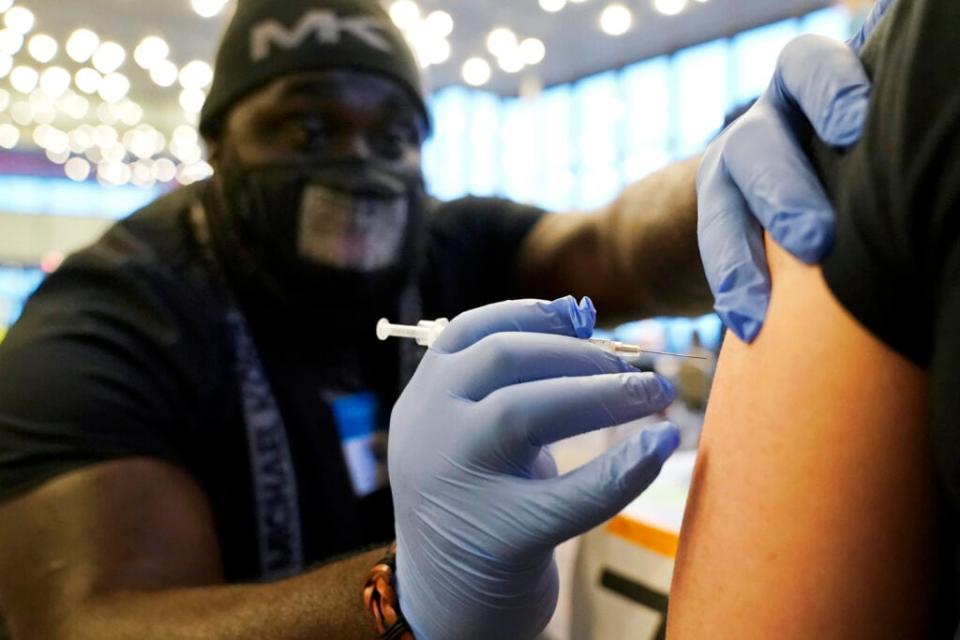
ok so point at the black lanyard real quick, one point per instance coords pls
(277, 507)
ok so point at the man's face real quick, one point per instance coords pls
(324, 115)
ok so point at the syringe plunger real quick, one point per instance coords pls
(425, 332)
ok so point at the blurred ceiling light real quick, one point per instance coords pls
(22, 113)
(187, 153)
(20, 19)
(88, 80)
(77, 169)
(552, 6)
(476, 72)
(58, 156)
(5, 4)
(105, 136)
(616, 20)
(115, 87)
(191, 100)
(130, 113)
(440, 51)
(404, 13)
(24, 79)
(44, 109)
(93, 154)
(578, 1)
(196, 74)
(109, 57)
(670, 7)
(185, 135)
(159, 142)
(141, 143)
(58, 142)
(81, 138)
(9, 136)
(82, 44)
(512, 61)
(43, 48)
(6, 64)
(441, 23)
(10, 41)
(501, 41)
(55, 81)
(431, 50)
(164, 170)
(164, 74)
(191, 172)
(533, 51)
(40, 135)
(76, 107)
(115, 152)
(143, 174)
(106, 114)
(151, 51)
(113, 174)
(208, 8)
(4, 100)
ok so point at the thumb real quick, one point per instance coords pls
(597, 491)
(873, 21)
(563, 317)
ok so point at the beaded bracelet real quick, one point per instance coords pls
(380, 599)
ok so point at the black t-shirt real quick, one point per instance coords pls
(126, 351)
(896, 262)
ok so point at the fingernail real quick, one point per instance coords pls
(847, 118)
(649, 389)
(744, 327)
(666, 389)
(663, 439)
(583, 316)
(806, 239)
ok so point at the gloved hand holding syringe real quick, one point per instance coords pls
(426, 332)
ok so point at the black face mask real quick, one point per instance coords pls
(342, 234)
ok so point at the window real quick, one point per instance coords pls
(755, 56)
(702, 99)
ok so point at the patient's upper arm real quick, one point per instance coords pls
(813, 510)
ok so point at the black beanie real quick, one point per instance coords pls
(269, 38)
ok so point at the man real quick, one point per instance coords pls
(185, 404)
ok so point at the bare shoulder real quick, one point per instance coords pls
(813, 507)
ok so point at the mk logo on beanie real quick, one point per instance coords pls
(325, 25)
(268, 39)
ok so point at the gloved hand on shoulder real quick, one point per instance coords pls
(756, 177)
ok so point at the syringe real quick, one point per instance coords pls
(426, 331)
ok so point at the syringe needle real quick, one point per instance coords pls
(674, 355)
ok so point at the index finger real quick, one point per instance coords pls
(562, 317)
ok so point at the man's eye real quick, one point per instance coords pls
(394, 140)
(311, 133)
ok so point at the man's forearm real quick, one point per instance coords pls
(324, 603)
(637, 257)
(650, 234)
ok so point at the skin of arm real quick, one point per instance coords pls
(127, 549)
(813, 511)
(636, 257)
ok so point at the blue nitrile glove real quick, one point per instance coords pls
(757, 166)
(479, 504)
